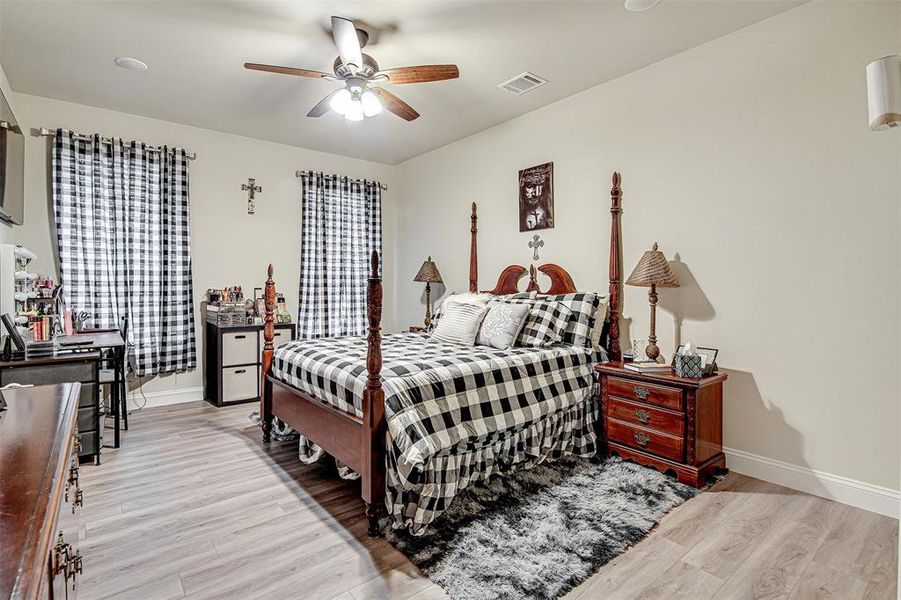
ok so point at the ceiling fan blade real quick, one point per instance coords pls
(286, 70)
(421, 74)
(348, 43)
(323, 106)
(396, 105)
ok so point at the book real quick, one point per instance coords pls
(648, 367)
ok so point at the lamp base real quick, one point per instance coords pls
(652, 351)
(428, 305)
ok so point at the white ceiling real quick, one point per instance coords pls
(196, 49)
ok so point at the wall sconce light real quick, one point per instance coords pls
(884, 92)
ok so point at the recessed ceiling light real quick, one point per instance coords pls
(132, 64)
(639, 5)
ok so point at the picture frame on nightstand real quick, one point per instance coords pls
(709, 354)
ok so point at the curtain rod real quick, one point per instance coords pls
(381, 185)
(42, 132)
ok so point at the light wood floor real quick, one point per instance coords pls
(193, 506)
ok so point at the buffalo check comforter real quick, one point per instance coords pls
(456, 414)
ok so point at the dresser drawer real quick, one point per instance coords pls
(239, 348)
(648, 440)
(240, 383)
(645, 392)
(645, 415)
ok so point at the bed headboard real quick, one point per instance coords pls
(560, 280)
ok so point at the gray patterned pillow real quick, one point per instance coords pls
(502, 324)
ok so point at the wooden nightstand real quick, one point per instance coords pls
(664, 421)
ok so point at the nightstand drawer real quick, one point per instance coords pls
(655, 442)
(644, 415)
(645, 392)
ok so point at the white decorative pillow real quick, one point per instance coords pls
(459, 323)
(455, 298)
(599, 321)
(502, 324)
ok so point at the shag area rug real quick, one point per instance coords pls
(541, 532)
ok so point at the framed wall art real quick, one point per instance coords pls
(536, 197)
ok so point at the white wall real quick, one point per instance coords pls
(748, 158)
(229, 246)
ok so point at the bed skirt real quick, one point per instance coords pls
(417, 498)
(416, 501)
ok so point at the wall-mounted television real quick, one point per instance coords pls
(12, 166)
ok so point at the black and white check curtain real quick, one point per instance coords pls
(123, 229)
(341, 226)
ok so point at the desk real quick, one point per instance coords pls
(106, 340)
(80, 367)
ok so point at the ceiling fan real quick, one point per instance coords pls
(359, 72)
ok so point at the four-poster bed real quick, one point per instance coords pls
(354, 431)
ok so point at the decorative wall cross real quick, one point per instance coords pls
(535, 244)
(251, 188)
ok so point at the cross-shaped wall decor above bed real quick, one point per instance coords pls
(535, 244)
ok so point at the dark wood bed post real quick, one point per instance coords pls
(374, 407)
(473, 252)
(616, 267)
(268, 335)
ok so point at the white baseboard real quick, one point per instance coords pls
(165, 397)
(873, 498)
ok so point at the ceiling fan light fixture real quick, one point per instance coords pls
(640, 5)
(354, 111)
(340, 101)
(371, 104)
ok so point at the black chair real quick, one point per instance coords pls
(112, 373)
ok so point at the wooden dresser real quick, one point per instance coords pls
(664, 421)
(40, 495)
(233, 362)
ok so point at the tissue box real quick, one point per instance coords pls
(688, 366)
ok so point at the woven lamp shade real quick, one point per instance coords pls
(653, 269)
(428, 273)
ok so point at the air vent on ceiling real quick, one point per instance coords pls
(523, 83)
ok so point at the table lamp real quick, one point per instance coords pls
(652, 271)
(428, 274)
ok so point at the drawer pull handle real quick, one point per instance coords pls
(240, 371)
(641, 392)
(78, 501)
(642, 440)
(74, 567)
(643, 416)
(240, 337)
(61, 556)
